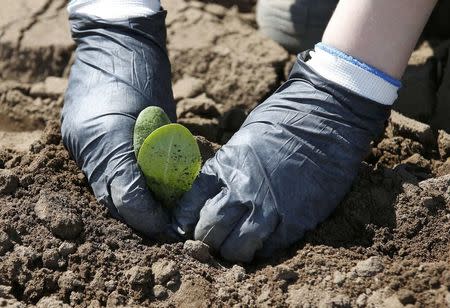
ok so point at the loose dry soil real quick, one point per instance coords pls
(387, 244)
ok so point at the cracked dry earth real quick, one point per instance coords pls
(387, 244)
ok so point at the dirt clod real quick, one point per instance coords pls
(164, 271)
(50, 258)
(369, 267)
(409, 128)
(139, 279)
(160, 292)
(8, 182)
(188, 87)
(406, 297)
(51, 302)
(338, 278)
(444, 144)
(5, 242)
(67, 281)
(197, 250)
(283, 272)
(61, 220)
(67, 248)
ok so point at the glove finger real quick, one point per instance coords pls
(284, 236)
(109, 162)
(218, 218)
(250, 233)
(134, 201)
(186, 213)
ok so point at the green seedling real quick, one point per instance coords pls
(169, 157)
(148, 120)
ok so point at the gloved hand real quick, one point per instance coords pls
(284, 171)
(121, 67)
(294, 24)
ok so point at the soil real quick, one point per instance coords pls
(386, 245)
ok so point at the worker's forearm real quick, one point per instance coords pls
(381, 33)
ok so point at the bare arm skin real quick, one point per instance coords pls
(381, 33)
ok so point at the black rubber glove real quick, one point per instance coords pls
(121, 67)
(284, 171)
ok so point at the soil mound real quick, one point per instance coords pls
(387, 244)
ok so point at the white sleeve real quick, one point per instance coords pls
(114, 9)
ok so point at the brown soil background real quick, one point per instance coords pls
(387, 244)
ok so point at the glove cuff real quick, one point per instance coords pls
(114, 9)
(354, 74)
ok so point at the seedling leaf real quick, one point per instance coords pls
(148, 120)
(170, 160)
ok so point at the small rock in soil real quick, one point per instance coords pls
(50, 258)
(66, 281)
(164, 270)
(139, 276)
(51, 302)
(115, 299)
(197, 250)
(444, 144)
(67, 248)
(5, 242)
(159, 291)
(236, 273)
(8, 182)
(369, 267)
(283, 272)
(188, 87)
(338, 278)
(172, 284)
(110, 285)
(66, 226)
(361, 301)
(409, 128)
(406, 297)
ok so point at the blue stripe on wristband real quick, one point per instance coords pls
(360, 64)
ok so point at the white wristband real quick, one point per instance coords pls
(354, 75)
(114, 9)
